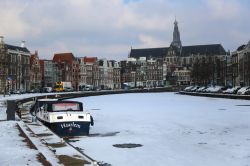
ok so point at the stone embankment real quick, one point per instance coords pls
(96, 93)
(217, 95)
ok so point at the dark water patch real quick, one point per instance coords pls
(66, 138)
(127, 145)
(79, 149)
(109, 134)
(35, 124)
(223, 143)
(202, 143)
(243, 105)
(222, 109)
(44, 134)
(101, 163)
(201, 132)
(70, 140)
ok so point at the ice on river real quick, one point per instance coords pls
(173, 130)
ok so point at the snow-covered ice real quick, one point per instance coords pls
(174, 130)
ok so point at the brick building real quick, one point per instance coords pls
(14, 67)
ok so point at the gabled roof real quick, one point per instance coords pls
(149, 52)
(17, 48)
(41, 61)
(211, 49)
(33, 57)
(241, 47)
(60, 57)
(90, 59)
(248, 45)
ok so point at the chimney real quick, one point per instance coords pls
(1, 39)
(23, 44)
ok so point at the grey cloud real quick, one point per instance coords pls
(109, 28)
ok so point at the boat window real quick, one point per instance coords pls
(59, 117)
(45, 107)
(66, 107)
(40, 103)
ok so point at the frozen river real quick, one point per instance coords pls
(174, 130)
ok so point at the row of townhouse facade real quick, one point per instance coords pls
(181, 65)
(142, 72)
(198, 65)
(102, 73)
(144, 68)
(20, 69)
(14, 66)
(239, 66)
(80, 71)
(188, 65)
(147, 67)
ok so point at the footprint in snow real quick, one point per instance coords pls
(202, 143)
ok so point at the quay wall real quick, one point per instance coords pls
(216, 95)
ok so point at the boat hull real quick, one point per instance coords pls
(69, 129)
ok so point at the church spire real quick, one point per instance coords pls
(176, 37)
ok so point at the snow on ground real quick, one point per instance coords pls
(13, 149)
(174, 130)
(22, 96)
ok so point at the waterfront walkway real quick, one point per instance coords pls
(28, 142)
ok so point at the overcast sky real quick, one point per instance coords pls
(109, 28)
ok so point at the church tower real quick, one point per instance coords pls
(176, 38)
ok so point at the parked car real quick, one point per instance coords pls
(242, 90)
(34, 91)
(68, 89)
(194, 89)
(215, 89)
(232, 90)
(247, 92)
(201, 89)
(12, 91)
(20, 91)
(187, 89)
(47, 89)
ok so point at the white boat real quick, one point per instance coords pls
(65, 118)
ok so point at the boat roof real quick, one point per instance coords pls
(49, 103)
(52, 101)
(47, 100)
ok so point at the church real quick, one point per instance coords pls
(187, 61)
